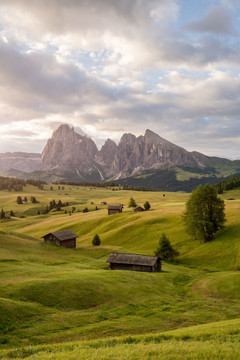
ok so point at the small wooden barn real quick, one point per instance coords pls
(138, 208)
(65, 238)
(134, 262)
(114, 209)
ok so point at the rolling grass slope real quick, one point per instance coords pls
(50, 294)
(216, 341)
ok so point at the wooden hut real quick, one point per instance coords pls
(65, 238)
(114, 209)
(138, 208)
(134, 262)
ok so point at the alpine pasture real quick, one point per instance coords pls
(58, 303)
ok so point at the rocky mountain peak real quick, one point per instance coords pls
(107, 152)
(149, 134)
(68, 151)
(127, 138)
(62, 130)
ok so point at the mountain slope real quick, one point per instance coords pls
(20, 161)
(147, 160)
(69, 152)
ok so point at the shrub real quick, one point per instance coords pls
(33, 200)
(19, 200)
(147, 205)
(96, 240)
(2, 214)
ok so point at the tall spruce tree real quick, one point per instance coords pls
(132, 203)
(19, 200)
(204, 214)
(165, 250)
(2, 214)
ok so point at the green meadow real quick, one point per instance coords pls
(58, 303)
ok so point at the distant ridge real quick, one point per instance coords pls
(147, 161)
(20, 161)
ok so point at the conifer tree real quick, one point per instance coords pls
(147, 205)
(132, 203)
(19, 200)
(165, 250)
(96, 240)
(2, 214)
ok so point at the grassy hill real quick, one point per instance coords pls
(50, 294)
(212, 341)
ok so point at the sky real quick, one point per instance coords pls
(109, 67)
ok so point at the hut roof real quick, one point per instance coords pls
(115, 206)
(138, 208)
(132, 259)
(63, 234)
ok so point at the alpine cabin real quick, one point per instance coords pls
(65, 238)
(114, 209)
(138, 208)
(134, 262)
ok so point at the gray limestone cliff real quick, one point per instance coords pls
(68, 151)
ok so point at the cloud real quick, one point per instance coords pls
(39, 84)
(110, 67)
(217, 21)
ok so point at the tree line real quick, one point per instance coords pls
(12, 184)
(106, 184)
(228, 184)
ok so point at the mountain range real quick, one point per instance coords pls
(134, 160)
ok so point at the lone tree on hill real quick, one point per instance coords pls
(132, 203)
(96, 240)
(2, 214)
(19, 200)
(33, 200)
(204, 214)
(146, 205)
(165, 250)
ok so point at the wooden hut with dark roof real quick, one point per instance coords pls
(114, 209)
(65, 238)
(138, 208)
(134, 262)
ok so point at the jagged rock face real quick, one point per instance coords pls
(134, 155)
(68, 151)
(107, 153)
(20, 161)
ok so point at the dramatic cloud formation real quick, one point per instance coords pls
(218, 21)
(110, 67)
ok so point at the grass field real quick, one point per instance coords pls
(51, 295)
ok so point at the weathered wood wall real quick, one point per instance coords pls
(69, 243)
